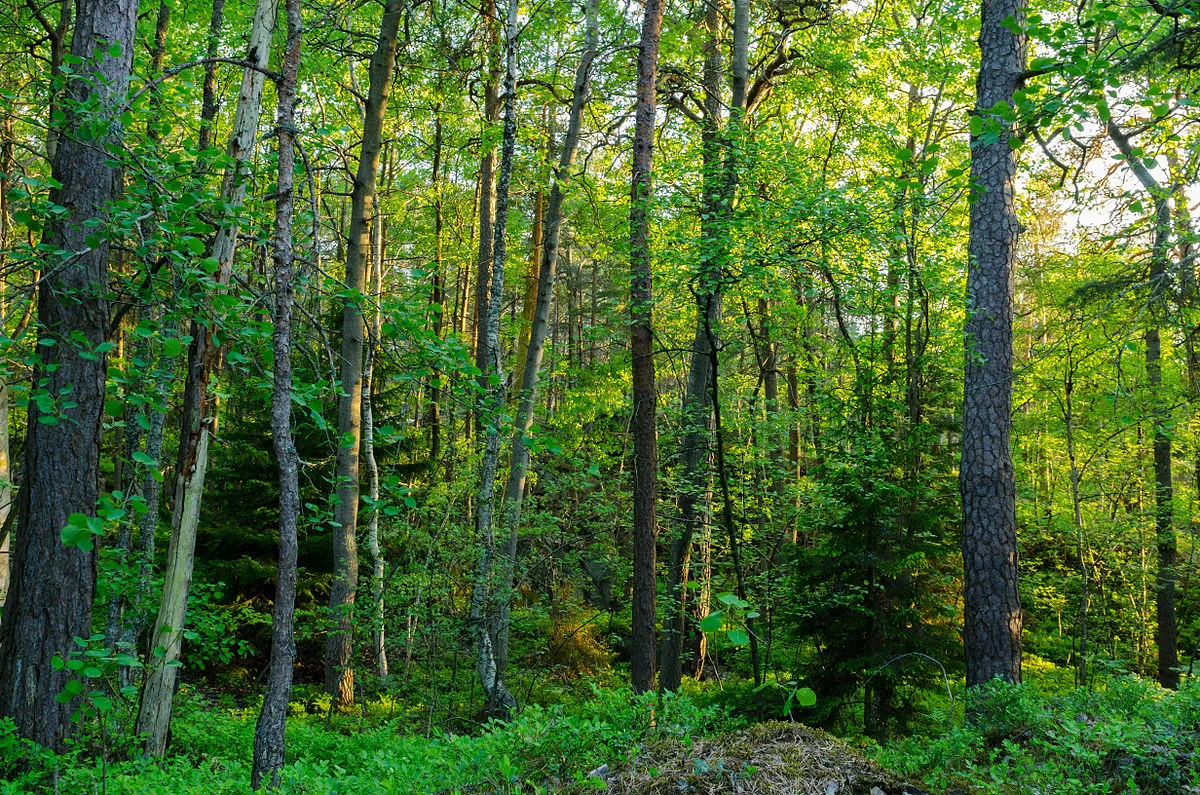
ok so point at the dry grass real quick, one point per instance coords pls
(768, 759)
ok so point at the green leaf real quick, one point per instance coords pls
(172, 347)
(114, 408)
(711, 622)
(976, 125)
(738, 637)
(805, 697)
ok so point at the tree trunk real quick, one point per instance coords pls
(487, 188)
(6, 485)
(154, 714)
(484, 618)
(1167, 637)
(644, 424)
(991, 605)
(372, 466)
(527, 400)
(339, 647)
(50, 596)
(270, 732)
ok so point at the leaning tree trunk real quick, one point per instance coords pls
(644, 424)
(487, 188)
(527, 401)
(339, 647)
(991, 605)
(49, 602)
(484, 617)
(154, 715)
(270, 732)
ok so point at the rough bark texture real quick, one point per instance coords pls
(196, 424)
(378, 628)
(339, 647)
(527, 401)
(991, 605)
(644, 423)
(50, 596)
(270, 732)
(487, 187)
(485, 614)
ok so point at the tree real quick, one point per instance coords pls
(53, 574)
(339, 675)
(641, 309)
(991, 604)
(270, 733)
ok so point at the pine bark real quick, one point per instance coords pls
(991, 604)
(50, 595)
(644, 424)
(270, 732)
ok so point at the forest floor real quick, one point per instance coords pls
(1123, 735)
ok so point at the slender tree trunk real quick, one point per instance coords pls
(527, 400)
(644, 424)
(437, 297)
(485, 613)
(339, 648)
(208, 111)
(6, 484)
(372, 466)
(49, 601)
(532, 280)
(1167, 637)
(991, 605)
(270, 732)
(204, 353)
(487, 187)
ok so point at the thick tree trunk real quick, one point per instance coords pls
(991, 605)
(154, 715)
(485, 614)
(270, 732)
(527, 397)
(50, 596)
(339, 647)
(644, 424)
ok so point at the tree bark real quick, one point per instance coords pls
(644, 424)
(270, 732)
(485, 615)
(527, 400)
(339, 647)
(379, 634)
(991, 604)
(50, 596)
(204, 353)
(487, 187)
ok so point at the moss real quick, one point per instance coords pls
(767, 759)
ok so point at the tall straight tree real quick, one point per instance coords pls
(339, 648)
(49, 600)
(518, 467)
(1166, 632)
(485, 613)
(991, 604)
(196, 422)
(270, 733)
(645, 401)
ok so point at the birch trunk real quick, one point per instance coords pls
(484, 612)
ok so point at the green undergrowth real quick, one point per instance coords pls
(542, 750)
(1123, 735)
